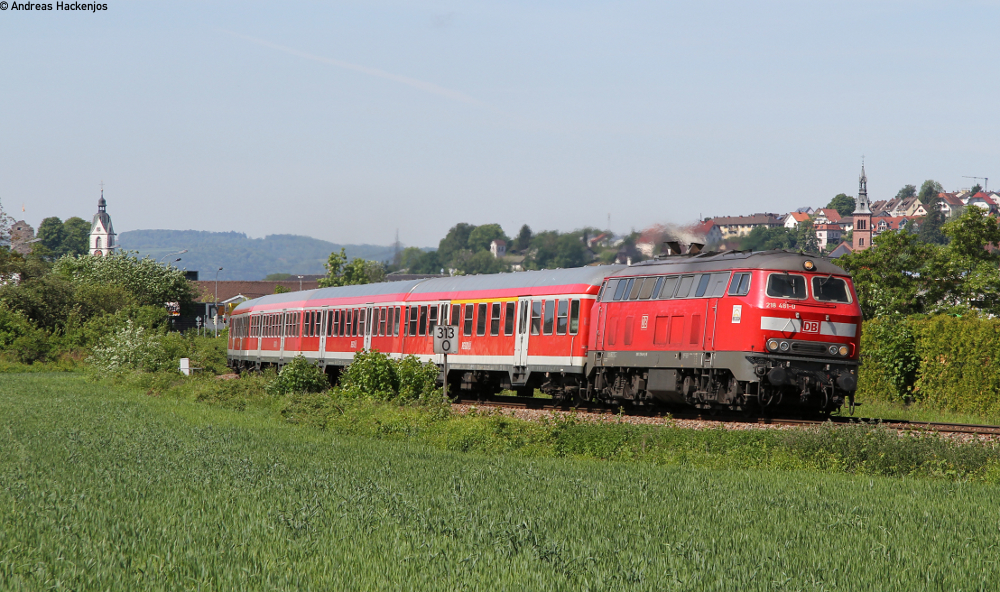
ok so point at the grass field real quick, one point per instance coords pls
(104, 488)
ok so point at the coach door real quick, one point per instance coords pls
(259, 333)
(283, 317)
(368, 326)
(521, 337)
(324, 317)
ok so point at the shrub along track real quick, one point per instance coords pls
(699, 419)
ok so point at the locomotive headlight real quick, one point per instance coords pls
(843, 350)
(833, 350)
(784, 346)
(809, 265)
(772, 344)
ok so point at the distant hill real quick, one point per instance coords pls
(241, 257)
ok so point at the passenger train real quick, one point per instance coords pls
(736, 330)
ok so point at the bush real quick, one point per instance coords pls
(889, 359)
(375, 375)
(299, 376)
(130, 348)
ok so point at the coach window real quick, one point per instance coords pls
(785, 285)
(364, 322)
(562, 317)
(467, 321)
(609, 290)
(522, 323)
(536, 317)
(495, 318)
(740, 286)
(432, 319)
(395, 322)
(423, 321)
(481, 319)
(412, 320)
(508, 318)
(574, 317)
(703, 285)
(384, 321)
(456, 312)
(550, 311)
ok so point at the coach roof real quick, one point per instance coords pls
(777, 260)
(323, 293)
(525, 280)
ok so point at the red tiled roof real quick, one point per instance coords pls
(831, 214)
(229, 289)
(799, 216)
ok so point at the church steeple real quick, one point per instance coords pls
(102, 233)
(862, 214)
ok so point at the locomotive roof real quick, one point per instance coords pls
(777, 260)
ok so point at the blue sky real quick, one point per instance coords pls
(347, 120)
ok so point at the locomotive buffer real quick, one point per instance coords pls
(445, 342)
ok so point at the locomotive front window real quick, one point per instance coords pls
(574, 317)
(785, 285)
(740, 285)
(831, 289)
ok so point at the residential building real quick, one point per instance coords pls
(736, 226)
(793, 219)
(826, 216)
(949, 202)
(984, 201)
(708, 231)
(881, 224)
(827, 235)
(498, 248)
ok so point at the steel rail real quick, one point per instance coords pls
(543, 404)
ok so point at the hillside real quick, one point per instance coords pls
(241, 257)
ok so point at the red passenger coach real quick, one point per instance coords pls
(519, 331)
(732, 330)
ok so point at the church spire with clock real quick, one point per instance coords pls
(102, 233)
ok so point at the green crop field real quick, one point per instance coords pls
(111, 489)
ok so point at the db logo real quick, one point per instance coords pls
(810, 326)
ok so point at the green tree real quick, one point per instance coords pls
(76, 232)
(416, 260)
(906, 191)
(930, 229)
(481, 263)
(277, 277)
(52, 235)
(976, 188)
(359, 271)
(843, 203)
(523, 240)
(481, 237)
(279, 289)
(456, 240)
(149, 282)
(966, 273)
(6, 222)
(929, 191)
(887, 276)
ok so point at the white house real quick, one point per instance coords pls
(498, 248)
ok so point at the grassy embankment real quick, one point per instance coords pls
(108, 488)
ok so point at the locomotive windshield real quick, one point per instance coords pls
(785, 285)
(830, 289)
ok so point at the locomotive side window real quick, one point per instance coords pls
(550, 310)
(740, 285)
(649, 287)
(562, 317)
(467, 329)
(609, 290)
(669, 285)
(785, 285)
(830, 289)
(508, 318)
(622, 288)
(574, 317)
(536, 316)
(481, 321)
(495, 318)
(636, 287)
(702, 285)
(684, 288)
(717, 285)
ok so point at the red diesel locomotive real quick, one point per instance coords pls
(732, 330)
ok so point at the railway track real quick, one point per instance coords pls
(539, 403)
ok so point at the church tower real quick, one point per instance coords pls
(862, 216)
(102, 233)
